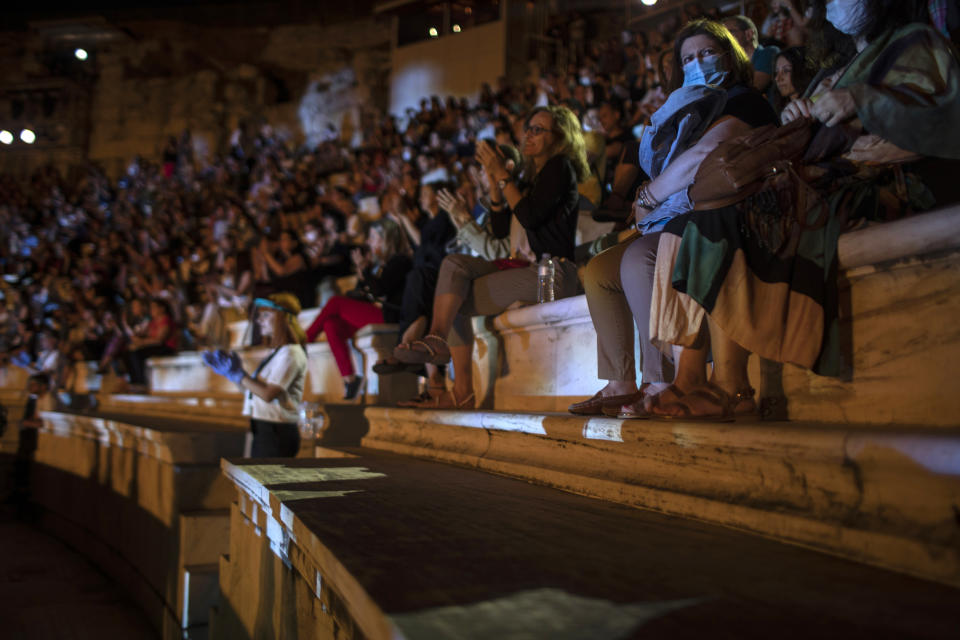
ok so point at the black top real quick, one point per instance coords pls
(548, 211)
(386, 285)
(748, 105)
(434, 236)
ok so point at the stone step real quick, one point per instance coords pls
(885, 496)
(142, 497)
(201, 588)
(383, 546)
(185, 374)
(204, 536)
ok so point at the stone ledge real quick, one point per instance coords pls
(883, 496)
(179, 443)
(384, 546)
(142, 497)
(184, 373)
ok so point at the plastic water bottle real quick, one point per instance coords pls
(546, 277)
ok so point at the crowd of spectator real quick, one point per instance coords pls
(168, 255)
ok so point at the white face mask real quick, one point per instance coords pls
(847, 16)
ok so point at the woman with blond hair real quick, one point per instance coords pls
(538, 212)
(275, 388)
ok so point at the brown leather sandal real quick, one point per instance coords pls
(712, 394)
(430, 350)
(597, 404)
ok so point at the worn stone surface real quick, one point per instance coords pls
(883, 496)
(49, 592)
(116, 491)
(431, 550)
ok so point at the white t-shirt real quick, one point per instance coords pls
(287, 369)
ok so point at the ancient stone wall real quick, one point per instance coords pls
(158, 78)
(209, 80)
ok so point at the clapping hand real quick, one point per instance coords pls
(455, 206)
(226, 364)
(21, 360)
(360, 260)
(492, 160)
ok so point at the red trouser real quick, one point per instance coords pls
(340, 319)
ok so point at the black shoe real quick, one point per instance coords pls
(350, 389)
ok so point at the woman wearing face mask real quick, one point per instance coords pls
(764, 282)
(274, 390)
(712, 84)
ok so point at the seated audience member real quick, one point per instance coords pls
(787, 22)
(475, 234)
(290, 268)
(762, 277)
(762, 58)
(417, 297)
(160, 340)
(382, 271)
(275, 389)
(794, 72)
(712, 85)
(48, 358)
(539, 219)
(208, 323)
(616, 135)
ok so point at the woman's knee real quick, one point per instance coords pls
(640, 258)
(603, 270)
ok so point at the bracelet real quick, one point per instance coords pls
(646, 199)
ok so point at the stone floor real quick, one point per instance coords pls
(49, 592)
(439, 548)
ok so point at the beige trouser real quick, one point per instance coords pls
(619, 284)
(487, 290)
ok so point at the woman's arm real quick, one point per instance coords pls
(264, 390)
(681, 172)
(292, 264)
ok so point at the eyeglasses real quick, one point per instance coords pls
(534, 129)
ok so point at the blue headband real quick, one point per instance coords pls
(263, 302)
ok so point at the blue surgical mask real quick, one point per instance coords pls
(847, 16)
(704, 71)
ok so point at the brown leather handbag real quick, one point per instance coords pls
(739, 167)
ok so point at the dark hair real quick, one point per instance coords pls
(801, 74)
(165, 304)
(42, 378)
(741, 70)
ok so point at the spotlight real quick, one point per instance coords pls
(456, 28)
(649, 3)
(81, 54)
(433, 32)
(6, 137)
(28, 136)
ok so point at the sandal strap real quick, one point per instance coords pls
(426, 347)
(747, 393)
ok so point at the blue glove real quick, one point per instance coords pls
(226, 364)
(22, 359)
